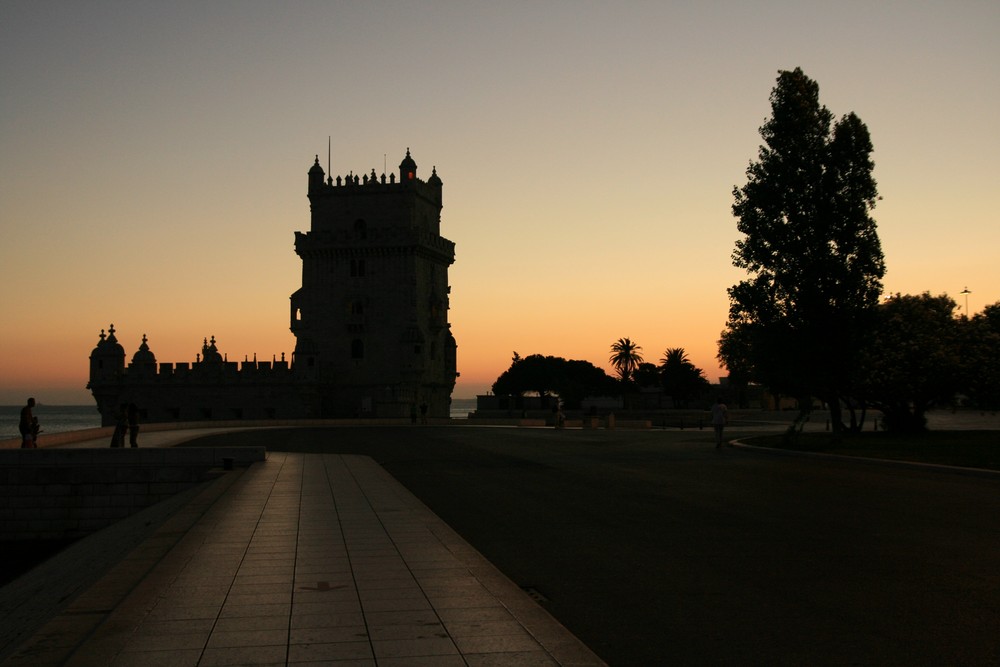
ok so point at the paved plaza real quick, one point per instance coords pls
(305, 559)
(649, 547)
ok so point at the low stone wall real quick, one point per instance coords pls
(104, 432)
(70, 493)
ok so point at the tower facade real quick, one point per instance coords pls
(371, 318)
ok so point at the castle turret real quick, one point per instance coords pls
(107, 367)
(316, 175)
(143, 361)
(107, 361)
(371, 317)
(407, 169)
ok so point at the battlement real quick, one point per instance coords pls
(184, 371)
(212, 387)
(320, 184)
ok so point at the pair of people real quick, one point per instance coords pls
(28, 426)
(128, 420)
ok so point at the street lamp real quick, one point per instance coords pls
(966, 292)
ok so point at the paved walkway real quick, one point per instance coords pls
(303, 559)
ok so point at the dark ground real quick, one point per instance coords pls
(655, 548)
(17, 557)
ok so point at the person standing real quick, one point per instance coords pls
(133, 424)
(719, 419)
(121, 425)
(27, 426)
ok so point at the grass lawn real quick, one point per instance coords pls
(970, 449)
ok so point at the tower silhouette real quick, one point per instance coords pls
(370, 321)
(371, 318)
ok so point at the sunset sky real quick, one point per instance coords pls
(153, 160)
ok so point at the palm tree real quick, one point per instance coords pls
(674, 357)
(625, 358)
(681, 379)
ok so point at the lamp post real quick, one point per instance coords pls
(966, 292)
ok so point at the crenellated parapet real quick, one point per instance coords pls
(324, 190)
(166, 391)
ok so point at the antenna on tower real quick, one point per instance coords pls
(329, 165)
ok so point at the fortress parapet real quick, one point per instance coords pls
(209, 388)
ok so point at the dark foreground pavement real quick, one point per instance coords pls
(654, 548)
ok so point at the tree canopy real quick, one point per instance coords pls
(980, 360)
(911, 362)
(571, 380)
(682, 380)
(626, 357)
(810, 248)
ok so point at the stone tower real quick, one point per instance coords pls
(371, 318)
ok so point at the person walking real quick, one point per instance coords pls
(28, 426)
(133, 424)
(121, 425)
(719, 419)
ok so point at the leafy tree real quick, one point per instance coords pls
(979, 358)
(647, 375)
(810, 248)
(625, 357)
(681, 379)
(571, 380)
(912, 360)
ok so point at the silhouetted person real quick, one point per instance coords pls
(121, 425)
(27, 425)
(719, 418)
(133, 424)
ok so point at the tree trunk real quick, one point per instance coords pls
(836, 415)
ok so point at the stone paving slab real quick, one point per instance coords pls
(305, 559)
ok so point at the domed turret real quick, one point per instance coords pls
(407, 169)
(434, 180)
(316, 175)
(108, 358)
(144, 360)
(210, 353)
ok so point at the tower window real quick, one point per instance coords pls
(357, 268)
(357, 349)
(360, 229)
(357, 308)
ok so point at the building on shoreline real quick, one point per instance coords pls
(370, 321)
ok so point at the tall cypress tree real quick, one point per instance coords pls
(811, 250)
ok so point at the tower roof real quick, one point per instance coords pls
(434, 179)
(407, 168)
(316, 168)
(143, 355)
(108, 344)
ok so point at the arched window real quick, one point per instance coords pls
(357, 349)
(360, 229)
